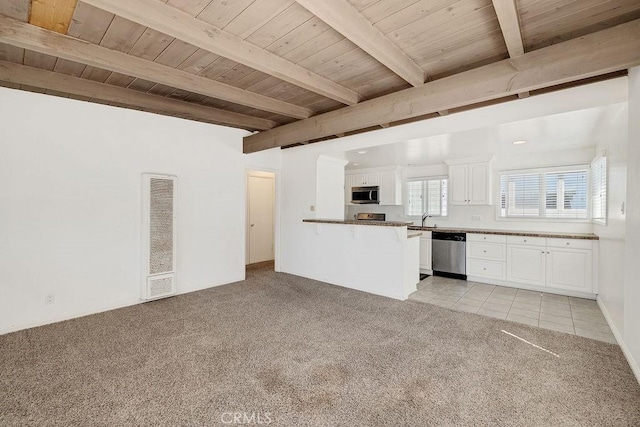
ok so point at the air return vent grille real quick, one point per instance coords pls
(158, 235)
(160, 286)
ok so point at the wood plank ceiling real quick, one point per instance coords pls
(284, 67)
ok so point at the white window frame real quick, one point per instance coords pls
(555, 169)
(405, 189)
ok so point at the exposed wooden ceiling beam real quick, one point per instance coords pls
(591, 55)
(54, 15)
(176, 23)
(507, 13)
(30, 37)
(344, 18)
(24, 75)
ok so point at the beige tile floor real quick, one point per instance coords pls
(560, 313)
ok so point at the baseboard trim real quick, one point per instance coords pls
(342, 285)
(116, 306)
(501, 282)
(625, 350)
(63, 318)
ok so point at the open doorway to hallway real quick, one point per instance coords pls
(260, 219)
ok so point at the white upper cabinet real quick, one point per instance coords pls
(348, 183)
(470, 183)
(390, 188)
(479, 184)
(365, 179)
(458, 182)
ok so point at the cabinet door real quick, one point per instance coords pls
(479, 184)
(458, 185)
(425, 253)
(348, 183)
(526, 264)
(372, 179)
(570, 269)
(359, 179)
(388, 188)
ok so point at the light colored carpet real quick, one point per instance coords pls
(303, 353)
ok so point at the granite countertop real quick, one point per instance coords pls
(585, 236)
(353, 222)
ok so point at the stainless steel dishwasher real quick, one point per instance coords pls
(449, 254)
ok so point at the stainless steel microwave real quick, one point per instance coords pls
(365, 195)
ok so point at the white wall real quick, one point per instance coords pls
(631, 333)
(611, 258)
(329, 188)
(70, 204)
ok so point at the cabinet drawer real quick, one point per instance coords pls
(529, 241)
(570, 243)
(490, 251)
(490, 269)
(487, 238)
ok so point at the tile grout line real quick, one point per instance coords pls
(441, 294)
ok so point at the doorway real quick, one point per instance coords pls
(260, 217)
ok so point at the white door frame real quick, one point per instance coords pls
(257, 171)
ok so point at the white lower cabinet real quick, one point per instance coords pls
(526, 264)
(562, 265)
(425, 251)
(486, 256)
(570, 269)
(487, 269)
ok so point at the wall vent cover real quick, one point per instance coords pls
(160, 286)
(158, 235)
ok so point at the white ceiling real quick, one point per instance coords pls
(566, 131)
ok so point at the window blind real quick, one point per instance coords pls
(566, 195)
(557, 194)
(414, 198)
(599, 190)
(428, 195)
(521, 195)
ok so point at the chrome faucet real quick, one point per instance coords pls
(424, 217)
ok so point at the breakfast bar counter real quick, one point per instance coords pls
(379, 257)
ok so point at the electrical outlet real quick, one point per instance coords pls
(476, 218)
(49, 299)
(312, 208)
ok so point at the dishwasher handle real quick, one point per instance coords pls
(456, 237)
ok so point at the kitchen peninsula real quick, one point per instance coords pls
(378, 257)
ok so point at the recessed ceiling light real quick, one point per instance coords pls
(356, 164)
(361, 152)
(522, 141)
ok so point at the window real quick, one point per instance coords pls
(557, 194)
(599, 190)
(427, 195)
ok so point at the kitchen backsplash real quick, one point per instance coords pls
(393, 213)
